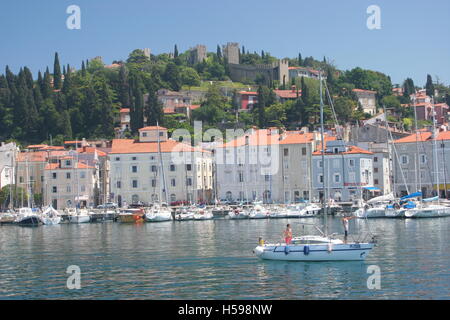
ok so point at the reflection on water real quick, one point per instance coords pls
(214, 260)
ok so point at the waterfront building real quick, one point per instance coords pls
(348, 171)
(247, 99)
(8, 153)
(70, 182)
(299, 72)
(136, 174)
(366, 99)
(31, 164)
(415, 164)
(266, 165)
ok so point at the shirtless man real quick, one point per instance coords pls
(345, 221)
(288, 234)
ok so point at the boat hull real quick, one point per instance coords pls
(29, 221)
(79, 219)
(314, 252)
(51, 221)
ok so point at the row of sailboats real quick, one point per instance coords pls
(412, 205)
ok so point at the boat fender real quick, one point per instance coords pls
(330, 247)
(286, 250)
(306, 250)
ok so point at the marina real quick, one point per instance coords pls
(214, 259)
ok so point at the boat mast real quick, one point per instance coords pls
(161, 164)
(325, 195)
(417, 162)
(389, 151)
(435, 155)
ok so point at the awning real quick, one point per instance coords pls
(372, 188)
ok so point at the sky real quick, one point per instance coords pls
(413, 40)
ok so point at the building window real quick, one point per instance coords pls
(303, 151)
(241, 176)
(83, 188)
(54, 189)
(352, 163)
(423, 158)
(82, 174)
(68, 189)
(404, 159)
(173, 182)
(153, 183)
(375, 159)
(135, 183)
(375, 181)
(320, 164)
(189, 181)
(118, 184)
(117, 158)
(320, 178)
(134, 158)
(375, 170)
(189, 167)
(337, 178)
(68, 163)
(67, 175)
(267, 178)
(154, 169)
(286, 152)
(173, 197)
(144, 134)
(134, 169)
(53, 176)
(172, 167)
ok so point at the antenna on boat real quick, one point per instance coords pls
(325, 196)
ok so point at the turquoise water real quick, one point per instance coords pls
(214, 260)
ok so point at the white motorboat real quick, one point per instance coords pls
(50, 216)
(158, 213)
(26, 217)
(238, 213)
(258, 212)
(311, 210)
(314, 248)
(278, 212)
(203, 214)
(76, 215)
(429, 211)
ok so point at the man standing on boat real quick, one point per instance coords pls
(288, 234)
(345, 221)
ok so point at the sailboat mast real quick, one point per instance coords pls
(435, 155)
(389, 152)
(418, 172)
(325, 191)
(161, 164)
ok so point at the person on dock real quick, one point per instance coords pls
(288, 234)
(345, 221)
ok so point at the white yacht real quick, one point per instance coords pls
(50, 216)
(239, 213)
(77, 215)
(258, 212)
(158, 213)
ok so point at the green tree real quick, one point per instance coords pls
(429, 86)
(56, 73)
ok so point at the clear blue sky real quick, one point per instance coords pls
(413, 40)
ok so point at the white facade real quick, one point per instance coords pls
(8, 153)
(265, 165)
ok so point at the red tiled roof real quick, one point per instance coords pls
(92, 150)
(131, 146)
(287, 94)
(423, 136)
(39, 156)
(194, 106)
(361, 90)
(37, 146)
(125, 110)
(152, 128)
(56, 166)
(350, 150)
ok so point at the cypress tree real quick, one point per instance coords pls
(46, 89)
(300, 61)
(124, 87)
(154, 110)
(429, 86)
(83, 69)
(175, 52)
(56, 73)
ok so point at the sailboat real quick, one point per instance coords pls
(50, 216)
(321, 247)
(430, 207)
(157, 212)
(26, 216)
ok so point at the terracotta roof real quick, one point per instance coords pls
(56, 166)
(131, 146)
(92, 150)
(125, 110)
(152, 128)
(112, 66)
(350, 150)
(249, 93)
(361, 90)
(194, 106)
(169, 110)
(297, 138)
(423, 136)
(39, 156)
(287, 94)
(37, 146)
